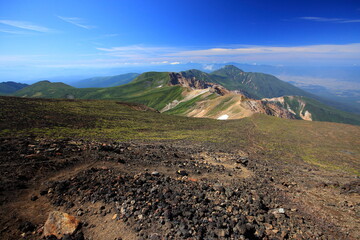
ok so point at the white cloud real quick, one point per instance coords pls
(150, 55)
(25, 25)
(266, 50)
(334, 20)
(110, 35)
(134, 48)
(12, 31)
(209, 67)
(261, 54)
(76, 21)
(139, 52)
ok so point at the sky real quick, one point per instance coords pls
(41, 38)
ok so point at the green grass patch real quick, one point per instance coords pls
(330, 146)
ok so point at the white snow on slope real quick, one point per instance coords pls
(223, 117)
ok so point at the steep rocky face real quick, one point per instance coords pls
(292, 104)
(269, 108)
(238, 107)
(179, 79)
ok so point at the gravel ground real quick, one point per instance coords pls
(154, 191)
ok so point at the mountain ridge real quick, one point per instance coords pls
(254, 85)
(190, 94)
(108, 81)
(11, 87)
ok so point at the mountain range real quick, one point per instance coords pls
(227, 93)
(11, 87)
(110, 81)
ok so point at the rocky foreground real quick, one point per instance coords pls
(153, 191)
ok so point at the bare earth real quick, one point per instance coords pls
(170, 190)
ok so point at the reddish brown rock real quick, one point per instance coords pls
(59, 224)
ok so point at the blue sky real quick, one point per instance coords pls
(43, 38)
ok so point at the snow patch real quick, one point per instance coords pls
(223, 117)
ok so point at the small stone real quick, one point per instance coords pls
(27, 227)
(281, 210)
(220, 233)
(155, 173)
(182, 172)
(229, 209)
(43, 192)
(268, 226)
(114, 217)
(79, 213)
(121, 160)
(34, 198)
(277, 211)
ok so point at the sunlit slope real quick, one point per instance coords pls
(149, 88)
(210, 105)
(328, 145)
(155, 90)
(46, 89)
(254, 85)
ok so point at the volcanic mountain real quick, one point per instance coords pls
(228, 93)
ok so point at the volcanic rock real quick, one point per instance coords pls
(60, 224)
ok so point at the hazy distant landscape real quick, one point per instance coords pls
(131, 120)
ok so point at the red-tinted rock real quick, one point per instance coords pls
(59, 224)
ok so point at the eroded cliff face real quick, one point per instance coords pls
(297, 106)
(233, 104)
(269, 108)
(179, 79)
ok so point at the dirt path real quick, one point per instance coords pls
(171, 191)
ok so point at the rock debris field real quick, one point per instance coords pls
(146, 191)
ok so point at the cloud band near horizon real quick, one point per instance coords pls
(327, 52)
(148, 55)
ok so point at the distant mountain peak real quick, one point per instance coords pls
(228, 70)
(232, 68)
(11, 87)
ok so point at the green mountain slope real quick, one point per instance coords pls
(254, 85)
(320, 143)
(110, 81)
(155, 90)
(311, 109)
(46, 89)
(259, 85)
(11, 87)
(149, 88)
